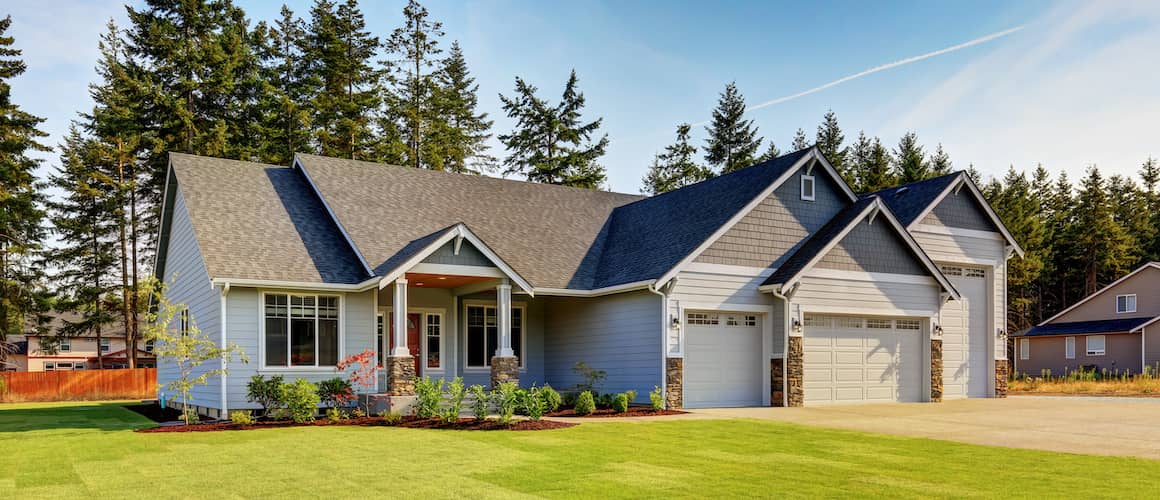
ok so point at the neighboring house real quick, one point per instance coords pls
(53, 352)
(771, 285)
(1115, 329)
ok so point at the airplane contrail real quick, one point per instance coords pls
(882, 67)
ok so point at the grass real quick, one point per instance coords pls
(1091, 382)
(88, 450)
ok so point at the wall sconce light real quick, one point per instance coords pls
(797, 326)
(1001, 333)
(938, 332)
(676, 321)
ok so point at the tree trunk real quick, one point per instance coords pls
(131, 348)
(126, 318)
(97, 309)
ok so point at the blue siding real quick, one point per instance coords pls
(873, 247)
(961, 210)
(533, 371)
(468, 255)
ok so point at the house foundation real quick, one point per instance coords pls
(674, 382)
(794, 375)
(1002, 375)
(400, 375)
(936, 370)
(505, 369)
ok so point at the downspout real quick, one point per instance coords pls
(784, 346)
(224, 410)
(664, 339)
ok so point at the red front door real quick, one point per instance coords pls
(412, 339)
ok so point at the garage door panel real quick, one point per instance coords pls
(849, 358)
(965, 335)
(850, 375)
(853, 364)
(725, 364)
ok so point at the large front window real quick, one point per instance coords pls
(301, 330)
(483, 335)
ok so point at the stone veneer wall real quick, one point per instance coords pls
(777, 382)
(674, 382)
(400, 375)
(936, 370)
(1002, 374)
(504, 369)
(794, 373)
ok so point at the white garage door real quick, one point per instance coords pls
(964, 323)
(860, 360)
(723, 360)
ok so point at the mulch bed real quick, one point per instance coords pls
(155, 412)
(633, 411)
(463, 424)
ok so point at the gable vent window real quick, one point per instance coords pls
(808, 187)
(1126, 303)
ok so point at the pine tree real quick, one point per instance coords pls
(1101, 244)
(800, 141)
(287, 80)
(21, 204)
(1129, 205)
(940, 162)
(829, 141)
(857, 160)
(770, 153)
(1150, 175)
(463, 132)
(874, 167)
(415, 47)
(1042, 192)
(1021, 213)
(974, 174)
(676, 167)
(347, 96)
(732, 143)
(910, 161)
(551, 143)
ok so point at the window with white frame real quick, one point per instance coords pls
(149, 346)
(1024, 348)
(435, 339)
(104, 345)
(1126, 303)
(483, 334)
(703, 319)
(184, 322)
(379, 339)
(1096, 345)
(808, 185)
(50, 367)
(301, 330)
(65, 345)
(79, 366)
(1069, 348)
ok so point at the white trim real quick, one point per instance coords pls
(225, 291)
(1101, 291)
(263, 367)
(765, 329)
(457, 270)
(839, 274)
(957, 231)
(1069, 347)
(729, 269)
(387, 312)
(523, 306)
(1145, 325)
(1024, 349)
(459, 230)
(341, 228)
(298, 285)
(813, 187)
(609, 290)
(805, 307)
(1087, 343)
(721, 306)
(1126, 296)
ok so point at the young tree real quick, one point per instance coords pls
(910, 161)
(940, 162)
(874, 172)
(22, 296)
(1021, 214)
(284, 102)
(462, 131)
(676, 167)
(415, 48)
(829, 140)
(1102, 244)
(732, 143)
(1150, 174)
(800, 141)
(1129, 205)
(770, 153)
(551, 143)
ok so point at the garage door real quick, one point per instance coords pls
(860, 360)
(964, 323)
(723, 360)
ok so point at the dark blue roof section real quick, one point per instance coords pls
(1085, 327)
(797, 262)
(910, 200)
(645, 239)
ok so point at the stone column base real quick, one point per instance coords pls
(794, 372)
(505, 369)
(777, 382)
(674, 383)
(376, 403)
(936, 370)
(400, 375)
(1002, 374)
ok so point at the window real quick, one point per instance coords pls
(380, 346)
(1096, 345)
(50, 367)
(1125, 303)
(952, 270)
(1024, 348)
(148, 346)
(301, 330)
(908, 324)
(184, 322)
(817, 321)
(104, 345)
(79, 366)
(483, 335)
(751, 321)
(1069, 348)
(64, 366)
(879, 323)
(808, 187)
(65, 345)
(703, 319)
(434, 338)
(974, 272)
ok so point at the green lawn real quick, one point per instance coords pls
(88, 450)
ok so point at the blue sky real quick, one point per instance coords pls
(1077, 85)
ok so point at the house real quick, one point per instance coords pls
(772, 285)
(1114, 329)
(50, 351)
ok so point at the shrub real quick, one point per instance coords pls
(300, 399)
(429, 393)
(604, 401)
(241, 417)
(265, 392)
(335, 415)
(551, 398)
(620, 403)
(391, 417)
(479, 401)
(657, 398)
(533, 402)
(507, 399)
(631, 395)
(593, 378)
(570, 399)
(335, 392)
(585, 404)
(455, 395)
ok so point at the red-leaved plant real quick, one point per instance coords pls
(362, 377)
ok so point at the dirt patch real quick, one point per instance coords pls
(1085, 394)
(633, 411)
(463, 424)
(155, 412)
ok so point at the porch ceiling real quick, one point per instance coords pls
(426, 280)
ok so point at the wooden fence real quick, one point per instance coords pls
(86, 385)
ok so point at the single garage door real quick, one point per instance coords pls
(723, 360)
(964, 323)
(850, 359)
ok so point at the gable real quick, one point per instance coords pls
(873, 247)
(765, 236)
(468, 255)
(960, 210)
(1102, 306)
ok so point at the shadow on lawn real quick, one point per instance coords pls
(103, 416)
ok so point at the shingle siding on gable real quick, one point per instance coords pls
(779, 223)
(468, 256)
(872, 248)
(962, 211)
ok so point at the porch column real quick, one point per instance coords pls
(400, 365)
(505, 367)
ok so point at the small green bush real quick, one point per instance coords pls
(335, 392)
(455, 394)
(657, 398)
(429, 394)
(391, 417)
(570, 399)
(585, 404)
(533, 403)
(335, 415)
(620, 403)
(241, 417)
(551, 398)
(507, 399)
(265, 392)
(631, 395)
(604, 400)
(479, 402)
(300, 399)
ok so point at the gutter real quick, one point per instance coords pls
(225, 292)
(332, 287)
(608, 290)
(664, 339)
(776, 291)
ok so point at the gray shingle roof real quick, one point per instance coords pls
(910, 200)
(257, 221)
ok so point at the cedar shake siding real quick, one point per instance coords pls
(1121, 352)
(1144, 284)
(873, 248)
(960, 210)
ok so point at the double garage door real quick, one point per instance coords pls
(849, 359)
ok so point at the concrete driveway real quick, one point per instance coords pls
(1099, 426)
